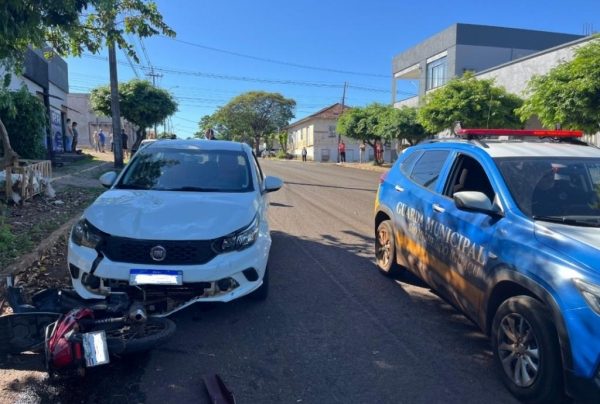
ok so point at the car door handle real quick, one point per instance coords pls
(399, 188)
(438, 208)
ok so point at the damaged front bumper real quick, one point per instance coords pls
(226, 277)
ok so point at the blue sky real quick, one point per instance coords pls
(350, 36)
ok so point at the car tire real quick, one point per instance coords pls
(262, 292)
(385, 249)
(526, 350)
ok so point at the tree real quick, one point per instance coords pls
(569, 94)
(400, 123)
(363, 123)
(61, 25)
(251, 116)
(473, 102)
(141, 104)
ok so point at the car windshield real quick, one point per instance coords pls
(564, 190)
(190, 170)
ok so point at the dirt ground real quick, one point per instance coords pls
(41, 222)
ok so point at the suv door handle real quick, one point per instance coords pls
(438, 208)
(399, 188)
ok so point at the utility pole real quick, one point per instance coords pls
(114, 105)
(341, 112)
(154, 76)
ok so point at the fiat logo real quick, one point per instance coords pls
(158, 253)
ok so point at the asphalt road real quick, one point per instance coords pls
(332, 330)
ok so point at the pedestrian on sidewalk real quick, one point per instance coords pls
(342, 151)
(69, 137)
(362, 148)
(209, 134)
(112, 143)
(75, 138)
(101, 141)
(304, 154)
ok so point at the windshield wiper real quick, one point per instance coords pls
(192, 189)
(132, 186)
(565, 220)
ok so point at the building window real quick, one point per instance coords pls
(437, 73)
(332, 131)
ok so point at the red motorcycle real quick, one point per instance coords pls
(87, 335)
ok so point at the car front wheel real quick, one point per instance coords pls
(385, 248)
(526, 350)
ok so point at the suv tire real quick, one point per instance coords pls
(385, 249)
(526, 350)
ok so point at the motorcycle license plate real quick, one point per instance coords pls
(155, 277)
(95, 349)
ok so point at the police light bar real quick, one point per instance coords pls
(519, 132)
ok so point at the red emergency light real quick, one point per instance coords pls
(520, 132)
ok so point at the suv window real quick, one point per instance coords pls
(409, 161)
(427, 169)
(468, 175)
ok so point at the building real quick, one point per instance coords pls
(89, 122)
(317, 133)
(467, 47)
(48, 79)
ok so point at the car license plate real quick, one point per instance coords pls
(95, 349)
(155, 277)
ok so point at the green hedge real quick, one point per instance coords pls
(25, 119)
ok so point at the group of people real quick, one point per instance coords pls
(71, 137)
(99, 138)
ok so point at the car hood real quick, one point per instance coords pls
(166, 215)
(580, 244)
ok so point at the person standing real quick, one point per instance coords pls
(112, 143)
(362, 148)
(379, 152)
(101, 141)
(342, 151)
(304, 154)
(75, 138)
(124, 139)
(69, 137)
(209, 134)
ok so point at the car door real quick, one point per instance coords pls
(414, 199)
(462, 239)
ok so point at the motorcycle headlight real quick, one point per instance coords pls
(86, 235)
(241, 239)
(591, 294)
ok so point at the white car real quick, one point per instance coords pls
(185, 221)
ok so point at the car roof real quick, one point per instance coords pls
(203, 144)
(504, 149)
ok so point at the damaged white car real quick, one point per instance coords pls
(185, 221)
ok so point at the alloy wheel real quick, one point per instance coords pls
(518, 349)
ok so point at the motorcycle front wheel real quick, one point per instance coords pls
(133, 338)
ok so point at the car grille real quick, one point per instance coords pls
(184, 252)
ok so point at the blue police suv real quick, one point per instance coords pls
(505, 224)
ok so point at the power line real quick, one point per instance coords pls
(279, 62)
(131, 64)
(254, 79)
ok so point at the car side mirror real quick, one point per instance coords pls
(107, 179)
(477, 202)
(272, 183)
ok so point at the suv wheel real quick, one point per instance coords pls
(526, 350)
(385, 248)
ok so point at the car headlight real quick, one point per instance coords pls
(591, 294)
(240, 239)
(86, 235)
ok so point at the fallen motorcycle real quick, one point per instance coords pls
(76, 333)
